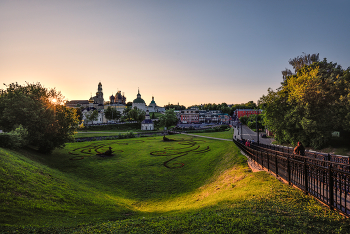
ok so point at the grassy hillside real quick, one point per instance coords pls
(191, 185)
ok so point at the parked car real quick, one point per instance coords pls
(263, 135)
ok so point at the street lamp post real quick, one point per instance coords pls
(241, 130)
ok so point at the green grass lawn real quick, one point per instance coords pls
(223, 134)
(190, 185)
(156, 114)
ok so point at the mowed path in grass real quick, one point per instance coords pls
(189, 185)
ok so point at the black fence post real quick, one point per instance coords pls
(276, 166)
(305, 177)
(268, 161)
(331, 186)
(288, 169)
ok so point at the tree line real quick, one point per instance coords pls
(310, 104)
(224, 108)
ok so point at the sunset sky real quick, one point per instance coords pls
(191, 51)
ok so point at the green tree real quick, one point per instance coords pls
(49, 124)
(112, 114)
(137, 114)
(126, 110)
(243, 119)
(285, 73)
(226, 109)
(251, 122)
(79, 113)
(309, 105)
(168, 119)
(176, 107)
(303, 60)
(91, 115)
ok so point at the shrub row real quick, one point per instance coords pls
(215, 129)
(125, 126)
(120, 136)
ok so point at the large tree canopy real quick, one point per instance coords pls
(136, 114)
(168, 119)
(310, 105)
(112, 114)
(39, 111)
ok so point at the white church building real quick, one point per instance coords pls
(139, 103)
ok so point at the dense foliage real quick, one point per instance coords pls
(48, 124)
(255, 121)
(136, 115)
(224, 108)
(91, 116)
(310, 104)
(168, 119)
(15, 139)
(112, 114)
(175, 107)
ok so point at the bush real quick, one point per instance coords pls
(14, 139)
(126, 136)
(224, 127)
(5, 140)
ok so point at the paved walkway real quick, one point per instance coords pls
(248, 134)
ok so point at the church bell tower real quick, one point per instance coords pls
(99, 94)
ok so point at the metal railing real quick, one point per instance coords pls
(328, 181)
(317, 155)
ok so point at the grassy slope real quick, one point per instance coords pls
(36, 194)
(215, 191)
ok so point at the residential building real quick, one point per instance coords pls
(189, 116)
(246, 112)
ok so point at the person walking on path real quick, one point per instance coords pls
(299, 149)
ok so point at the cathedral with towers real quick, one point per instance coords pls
(117, 101)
